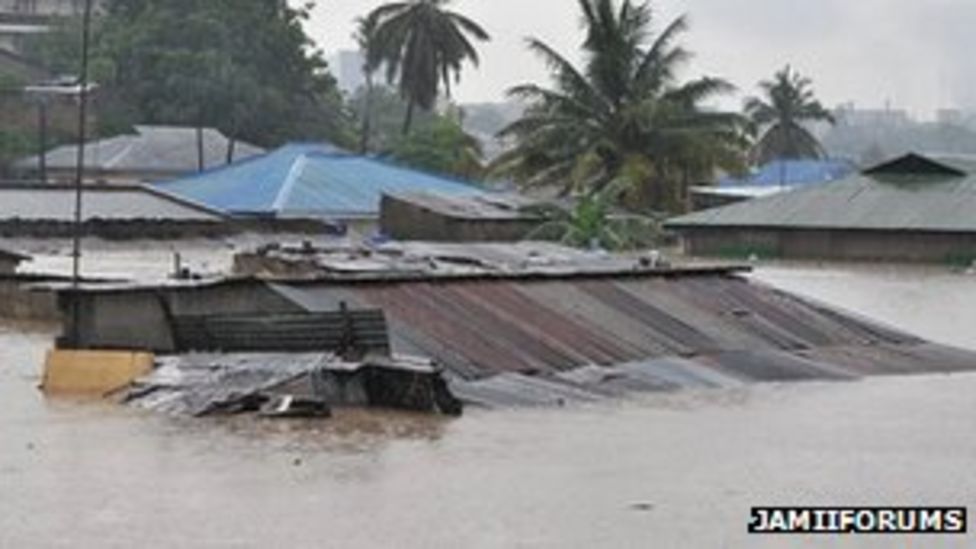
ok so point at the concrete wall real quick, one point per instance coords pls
(404, 220)
(19, 303)
(8, 264)
(841, 245)
(137, 320)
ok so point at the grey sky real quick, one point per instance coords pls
(913, 54)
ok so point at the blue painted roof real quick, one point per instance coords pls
(791, 173)
(309, 180)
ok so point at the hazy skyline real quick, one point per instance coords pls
(911, 55)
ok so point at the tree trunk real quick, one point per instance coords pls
(200, 159)
(367, 116)
(231, 145)
(408, 120)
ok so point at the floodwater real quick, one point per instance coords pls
(677, 470)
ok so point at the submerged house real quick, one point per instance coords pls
(913, 208)
(775, 177)
(312, 181)
(522, 324)
(9, 261)
(151, 153)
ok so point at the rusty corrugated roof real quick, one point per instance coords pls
(701, 327)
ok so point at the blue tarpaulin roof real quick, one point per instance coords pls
(309, 180)
(790, 173)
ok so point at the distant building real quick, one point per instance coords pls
(885, 117)
(772, 178)
(9, 261)
(460, 218)
(111, 211)
(913, 208)
(347, 68)
(310, 181)
(152, 153)
(20, 19)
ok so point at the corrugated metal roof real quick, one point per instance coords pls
(500, 207)
(479, 328)
(11, 255)
(890, 201)
(425, 261)
(789, 173)
(307, 180)
(104, 202)
(152, 149)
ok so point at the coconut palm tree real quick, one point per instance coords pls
(592, 223)
(365, 31)
(788, 104)
(424, 46)
(622, 113)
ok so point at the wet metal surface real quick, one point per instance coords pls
(536, 331)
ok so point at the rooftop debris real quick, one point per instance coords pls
(277, 384)
(426, 260)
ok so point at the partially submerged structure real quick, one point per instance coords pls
(772, 178)
(310, 181)
(9, 261)
(913, 208)
(150, 153)
(531, 324)
(458, 218)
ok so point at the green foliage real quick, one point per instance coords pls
(623, 114)
(787, 105)
(385, 110)
(592, 223)
(441, 147)
(423, 45)
(14, 144)
(247, 68)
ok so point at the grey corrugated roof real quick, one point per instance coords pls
(115, 202)
(152, 149)
(891, 201)
(8, 254)
(500, 207)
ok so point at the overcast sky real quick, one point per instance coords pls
(917, 55)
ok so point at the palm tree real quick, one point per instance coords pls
(623, 113)
(591, 223)
(788, 105)
(424, 45)
(365, 31)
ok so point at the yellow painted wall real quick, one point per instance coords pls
(93, 372)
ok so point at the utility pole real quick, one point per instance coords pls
(42, 137)
(79, 176)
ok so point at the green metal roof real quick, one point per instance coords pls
(905, 194)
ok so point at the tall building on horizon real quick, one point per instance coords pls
(347, 67)
(22, 18)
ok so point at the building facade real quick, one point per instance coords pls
(21, 18)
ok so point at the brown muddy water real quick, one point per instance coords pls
(676, 470)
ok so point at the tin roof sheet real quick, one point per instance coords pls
(34, 202)
(888, 201)
(477, 328)
(310, 180)
(151, 149)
